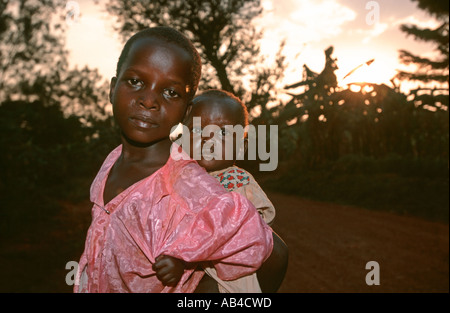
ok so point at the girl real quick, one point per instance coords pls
(155, 217)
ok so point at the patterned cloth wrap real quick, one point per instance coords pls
(233, 178)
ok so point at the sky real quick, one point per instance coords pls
(358, 30)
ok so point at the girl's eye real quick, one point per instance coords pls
(134, 82)
(171, 93)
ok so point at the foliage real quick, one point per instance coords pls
(221, 29)
(46, 156)
(429, 70)
(224, 35)
(324, 123)
(33, 61)
(370, 146)
(393, 183)
(31, 45)
(50, 116)
(438, 9)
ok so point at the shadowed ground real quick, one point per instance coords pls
(329, 247)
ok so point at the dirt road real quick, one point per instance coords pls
(331, 244)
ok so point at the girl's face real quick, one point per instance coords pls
(151, 93)
(214, 112)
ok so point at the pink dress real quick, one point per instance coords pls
(181, 211)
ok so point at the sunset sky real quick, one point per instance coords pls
(308, 26)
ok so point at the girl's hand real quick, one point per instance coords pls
(168, 269)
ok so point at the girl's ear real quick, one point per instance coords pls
(111, 88)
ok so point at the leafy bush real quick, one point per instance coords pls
(416, 187)
(46, 157)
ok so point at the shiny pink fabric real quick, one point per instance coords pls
(179, 211)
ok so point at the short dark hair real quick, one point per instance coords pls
(170, 35)
(223, 94)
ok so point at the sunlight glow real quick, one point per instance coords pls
(381, 71)
(355, 88)
(308, 26)
(312, 21)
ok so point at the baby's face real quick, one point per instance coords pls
(151, 93)
(212, 145)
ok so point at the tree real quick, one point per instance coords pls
(429, 70)
(305, 121)
(31, 47)
(33, 61)
(324, 123)
(223, 32)
(49, 113)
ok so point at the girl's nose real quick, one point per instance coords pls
(149, 101)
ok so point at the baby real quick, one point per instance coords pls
(220, 108)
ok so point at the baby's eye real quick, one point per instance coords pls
(223, 133)
(171, 93)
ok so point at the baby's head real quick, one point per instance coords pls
(157, 75)
(219, 108)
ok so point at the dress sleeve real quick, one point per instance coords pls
(224, 228)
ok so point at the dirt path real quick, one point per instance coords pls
(330, 245)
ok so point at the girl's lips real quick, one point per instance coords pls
(143, 122)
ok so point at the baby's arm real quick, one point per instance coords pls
(272, 272)
(168, 269)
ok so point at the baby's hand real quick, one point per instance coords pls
(168, 269)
